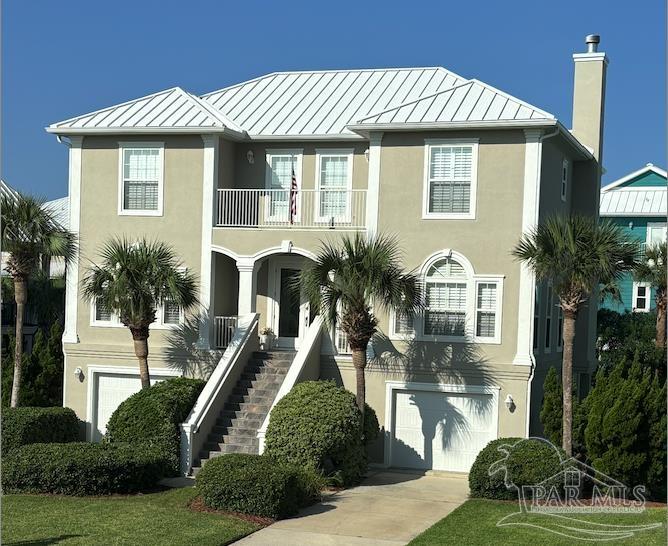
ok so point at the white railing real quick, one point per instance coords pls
(223, 331)
(283, 209)
(305, 367)
(202, 417)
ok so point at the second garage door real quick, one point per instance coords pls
(440, 430)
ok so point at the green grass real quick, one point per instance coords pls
(155, 518)
(475, 522)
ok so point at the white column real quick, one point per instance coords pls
(373, 183)
(247, 286)
(527, 291)
(72, 275)
(209, 187)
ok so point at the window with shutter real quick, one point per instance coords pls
(451, 180)
(141, 179)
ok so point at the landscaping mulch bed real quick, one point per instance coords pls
(197, 505)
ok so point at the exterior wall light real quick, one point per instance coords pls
(250, 157)
(366, 154)
(78, 373)
(510, 403)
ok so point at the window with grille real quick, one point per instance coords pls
(102, 314)
(486, 310)
(641, 297)
(142, 179)
(280, 166)
(403, 325)
(445, 299)
(334, 182)
(450, 180)
(171, 313)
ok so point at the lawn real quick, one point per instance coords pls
(155, 518)
(475, 523)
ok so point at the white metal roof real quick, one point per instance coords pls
(648, 201)
(7, 191)
(60, 210)
(468, 101)
(173, 108)
(323, 102)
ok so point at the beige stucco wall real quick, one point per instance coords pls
(180, 226)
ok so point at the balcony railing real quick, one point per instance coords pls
(223, 331)
(283, 209)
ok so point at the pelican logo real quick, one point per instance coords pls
(563, 503)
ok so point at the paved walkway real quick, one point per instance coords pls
(388, 509)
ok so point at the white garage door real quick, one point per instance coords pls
(441, 431)
(110, 390)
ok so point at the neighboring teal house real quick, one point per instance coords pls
(637, 202)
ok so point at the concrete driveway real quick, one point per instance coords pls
(389, 508)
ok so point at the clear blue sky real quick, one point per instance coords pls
(68, 57)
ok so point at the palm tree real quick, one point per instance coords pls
(134, 280)
(575, 254)
(348, 282)
(652, 269)
(29, 234)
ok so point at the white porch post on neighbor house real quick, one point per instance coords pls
(527, 293)
(247, 286)
(209, 188)
(373, 183)
(72, 274)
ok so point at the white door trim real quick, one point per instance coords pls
(95, 370)
(273, 308)
(392, 386)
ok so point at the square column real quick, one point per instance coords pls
(247, 286)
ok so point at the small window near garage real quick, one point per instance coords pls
(401, 325)
(102, 316)
(564, 179)
(486, 310)
(171, 313)
(141, 184)
(641, 297)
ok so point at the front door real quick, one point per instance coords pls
(289, 311)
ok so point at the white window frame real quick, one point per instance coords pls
(114, 322)
(565, 175)
(429, 143)
(560, 329)
(648, 297)
(278, 152)
(401, 336)
(549, 320)
(471, 280)
(536, 345)
(498, 281)
(122, 146)
(333, 152)
(655, 225)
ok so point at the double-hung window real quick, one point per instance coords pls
(446, 290)
(451, 179)
(171, 313)
(641, 297)
(402, 325)
(281, 205)
(141, 178)
(486, 310)
(564, 179)
(334, 184)
(102, 315)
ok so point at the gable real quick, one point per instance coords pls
(649, 179)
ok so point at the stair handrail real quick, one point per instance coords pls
(246, 327)
(310, 343)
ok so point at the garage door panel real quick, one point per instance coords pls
(443, 431)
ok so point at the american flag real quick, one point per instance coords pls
(293, 197)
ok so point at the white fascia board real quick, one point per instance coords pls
(295, 138)
(430, 126)
(232, 134)
(634, 174)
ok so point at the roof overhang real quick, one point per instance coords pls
(647, 168)
(73, 131)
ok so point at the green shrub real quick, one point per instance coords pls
(81, 469)
(153, 416)
(21, 426)
(625, 434)
(529, 461)
(317, 425)
(256, 485)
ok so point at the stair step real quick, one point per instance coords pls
(251, 398)
(266, 370)
(267, 382)
(263, 393)
(230, 414)
(242, 422)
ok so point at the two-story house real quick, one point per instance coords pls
(637, 204)
(456, 168)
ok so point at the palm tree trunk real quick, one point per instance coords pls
(140, 339)
(359, 362)
(660, 318)
(567, 380)
(20, 297)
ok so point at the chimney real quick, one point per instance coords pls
(589, 96)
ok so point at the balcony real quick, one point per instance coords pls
(299, 210)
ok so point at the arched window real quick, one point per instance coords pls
(459, 304)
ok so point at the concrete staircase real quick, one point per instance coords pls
(244, 412)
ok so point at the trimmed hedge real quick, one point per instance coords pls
(152, 416)
(256, 485)
(317, 425)
(22, 426)
(81, 468)
(530, 461)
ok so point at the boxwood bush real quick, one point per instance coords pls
(22, 426)
(256, 485)
(153, 416)
(318, 425)
(81, 468)
(529, 461)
